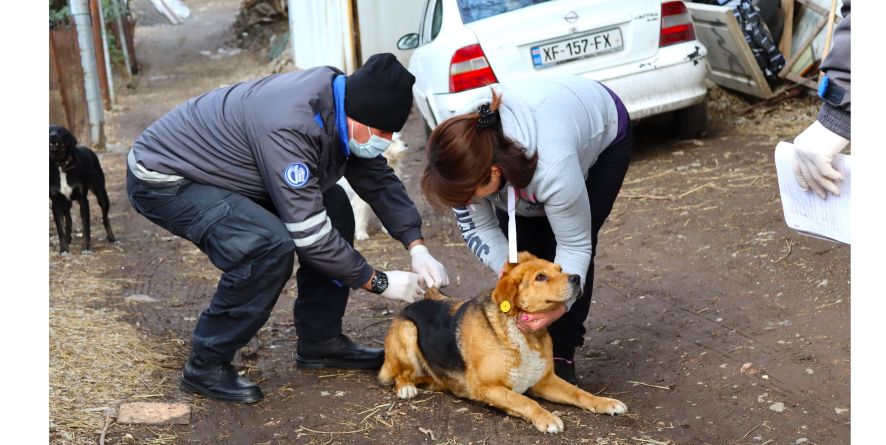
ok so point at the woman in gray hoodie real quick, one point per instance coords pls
(560, 146)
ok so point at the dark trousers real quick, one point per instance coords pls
(250, 244)
(534, 234)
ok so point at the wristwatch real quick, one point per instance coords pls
(379, 282)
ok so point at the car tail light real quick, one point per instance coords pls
(469, 69)
(676, 24)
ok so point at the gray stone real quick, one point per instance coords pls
(141, 298)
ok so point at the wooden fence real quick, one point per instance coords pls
(67, 98)
(67, 95)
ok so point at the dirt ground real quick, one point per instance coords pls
(711, 320)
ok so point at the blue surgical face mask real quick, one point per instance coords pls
(375, 146)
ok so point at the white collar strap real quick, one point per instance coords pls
(512, 225)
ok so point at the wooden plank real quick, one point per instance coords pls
(730, 61)
(70, 73)
(829, 34)
(57, 75)
(813, 6)
(788, 31)
(750, 60)
(129, 27)
(802, 49)
(809, 16)
(801, 80)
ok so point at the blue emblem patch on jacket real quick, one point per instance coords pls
(297, 174)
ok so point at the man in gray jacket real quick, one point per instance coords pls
(830, 133)
(248, 174)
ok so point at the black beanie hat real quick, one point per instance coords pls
(379, 94)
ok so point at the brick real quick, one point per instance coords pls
(154, 413)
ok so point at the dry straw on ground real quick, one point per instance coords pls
(752, 116)
(96, 360)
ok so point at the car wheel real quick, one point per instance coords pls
(691, 122)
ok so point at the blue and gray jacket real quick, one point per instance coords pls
(282, 140)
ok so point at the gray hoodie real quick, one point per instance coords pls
(568, 121)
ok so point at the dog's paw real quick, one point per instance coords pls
(407, 392)
(86, 251)
(64, 254)
(548, 423)
(609, 406)
(360, 235)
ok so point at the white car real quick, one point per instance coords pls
(644, 50)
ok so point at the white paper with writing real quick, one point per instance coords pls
(806, 212)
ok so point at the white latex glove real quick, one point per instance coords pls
(815, 149)
(429, 268)
(403, 286)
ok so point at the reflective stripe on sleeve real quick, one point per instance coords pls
(309, 223)
(311, 239)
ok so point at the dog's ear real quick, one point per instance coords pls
(71, 139)
(522, 257)
(505, 292)
(525, 256)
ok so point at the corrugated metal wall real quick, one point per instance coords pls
(323, 31)
(321, 34)
(383, 22)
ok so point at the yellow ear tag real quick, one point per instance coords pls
(505, 306)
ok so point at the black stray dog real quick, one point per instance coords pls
(81, 172)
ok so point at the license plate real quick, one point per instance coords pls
(573, 48)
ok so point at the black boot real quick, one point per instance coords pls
(219, 382)
(337, 352)
(565, 369)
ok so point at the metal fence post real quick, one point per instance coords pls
(109, 70)
(99, 53)
(83, 22)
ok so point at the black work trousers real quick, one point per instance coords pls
(534, 234)
(250, 244)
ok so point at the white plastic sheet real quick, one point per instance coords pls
(174, 10)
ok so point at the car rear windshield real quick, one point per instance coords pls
(473, 10)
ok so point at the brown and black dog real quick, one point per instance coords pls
(474, 349)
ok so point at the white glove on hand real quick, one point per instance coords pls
(815, 149)
(403, 286)
(429, 268)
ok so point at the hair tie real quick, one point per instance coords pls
(487, 117)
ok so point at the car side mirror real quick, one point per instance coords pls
(409, 41)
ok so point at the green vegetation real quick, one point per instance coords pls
(59, 13)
